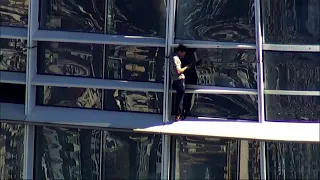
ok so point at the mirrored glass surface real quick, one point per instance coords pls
(12, 93)
(293, 160)
(13, 55)
(135, 101)
(69, 97)
(131, 156)
(137, 18)
(292, 108)
(292, 71)
(134, 63)
(65, 153)
(216, 20)
(291, 21)
(70, 59)
(14, 13)
(70, 15)
(215, 158)
(11, 151)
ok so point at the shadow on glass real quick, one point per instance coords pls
(12, 93)
(13, 55)
(14, 13)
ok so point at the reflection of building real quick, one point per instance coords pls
(13, 55)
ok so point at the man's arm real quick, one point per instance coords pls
(177, 64)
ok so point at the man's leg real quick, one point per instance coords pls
(186, 104)
(180, 88)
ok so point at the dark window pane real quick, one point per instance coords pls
(215, 158)
(136, 101)
(137, 18)
(291, 21)
(69, 97)
(70, 59)
(13, 55)
(135, 63)
(63, 153)
(131, 156)
(12, 93)
(80, 15)
(293, 160)
(11, 151)
(292, 71)
(14, 13)
(216, 20)
(222, 67)
(291, 108)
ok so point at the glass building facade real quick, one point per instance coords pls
(85, 89)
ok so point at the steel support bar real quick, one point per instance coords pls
(29, 135)
(212, 44)
(295, 48)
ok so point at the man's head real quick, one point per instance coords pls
(181, 50)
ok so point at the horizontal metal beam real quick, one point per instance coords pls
(91, 38)
(294, 48)
(212, 44)
(13, 33)
(12, 77)
(292, 93)
(198, 89)
(267, 131)
(13, 112)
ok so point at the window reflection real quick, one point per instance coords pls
(12, 93)
(293, 108)
(137, 18)
(80, 15)
(70, 59)
(292, 71)
(136, 101)
(215, 158)
(131, 156)
(69, 97)
(13, 55)
(14, 13)
(226, 20)
(291, 21)
(11, 151)
(135, 63)
(63, 153)
(293, 160)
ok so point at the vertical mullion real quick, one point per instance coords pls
(29, 135)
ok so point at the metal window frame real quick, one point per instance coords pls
(13, 33)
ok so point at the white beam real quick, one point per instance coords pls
(13, 33)
(13, 112)
(12, 77)
(212, 44)
(217, 90)
(294, 48)
(29, 135)
(292, 93)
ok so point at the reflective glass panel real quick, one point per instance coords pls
(131, 156)
(292, 108)
(70, 15)
(11, 151)
(215, 158)
(292, 71)
(291, 21)
(136, 101)
(63, 153)
(293, 160)
(14, 13)
(70, 59)
(137, 18)
(13, 55)
(69, 97)
(12, 93)
(216, 20)
(135, 63)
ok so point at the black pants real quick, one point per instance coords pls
(179, 86)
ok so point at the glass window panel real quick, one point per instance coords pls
(12, 93)
(63, 153)
(13, 55)
(293, 108)
(135, 63)
(287, 160)
(131, 156)
(292, 71)
(216, 20)
(11, 151)
(14, 13)
(222, 67)
(137, 18)
(221, 106)
(70, 59)
(69, 15)
(291, 21)
(135, 101)
(216, 158)
(69, 97)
